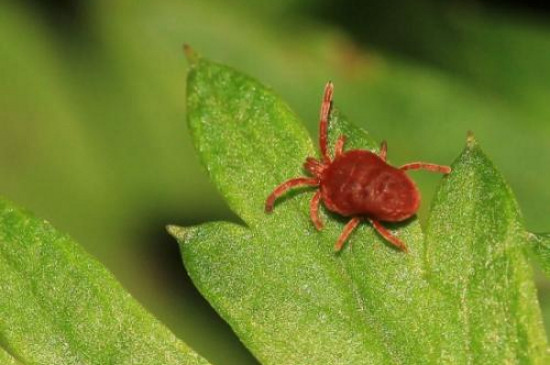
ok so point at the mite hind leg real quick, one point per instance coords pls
(348, 228)
(388, 236)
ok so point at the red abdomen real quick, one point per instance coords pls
(360, 183)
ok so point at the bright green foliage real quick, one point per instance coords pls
(6, 358)
(475, 256)
(463, 294)
(60, 306)
(540, 248)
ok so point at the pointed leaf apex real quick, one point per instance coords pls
(470, 140)
(190, 54)
(177, 232)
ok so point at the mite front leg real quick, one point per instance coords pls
(388, 236)
(426, 166)
(383, 150)
(348, 228)
(314, 210)
(284, 187)
(339, 146)
(323, 123)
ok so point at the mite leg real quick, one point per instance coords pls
(426, 166)
(314, 210)
(323, 123)
(284, 187)
(383, 150)
(339, 146)
(388, 236)
(314, 167)
(349, 227)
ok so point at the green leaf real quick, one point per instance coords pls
(60, 306)
(291, 299)
(6, 358)
(540, 250)
(475, 257)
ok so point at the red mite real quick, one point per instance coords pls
(357, 184)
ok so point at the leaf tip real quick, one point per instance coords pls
(177, 232)
(190, 54)
(470, 140)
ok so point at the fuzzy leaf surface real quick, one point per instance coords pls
(475, 256)
(540, 250)
(291, 299)
(58, 305)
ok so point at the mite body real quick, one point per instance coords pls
(358, 184)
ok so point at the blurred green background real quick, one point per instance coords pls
(92, 113)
